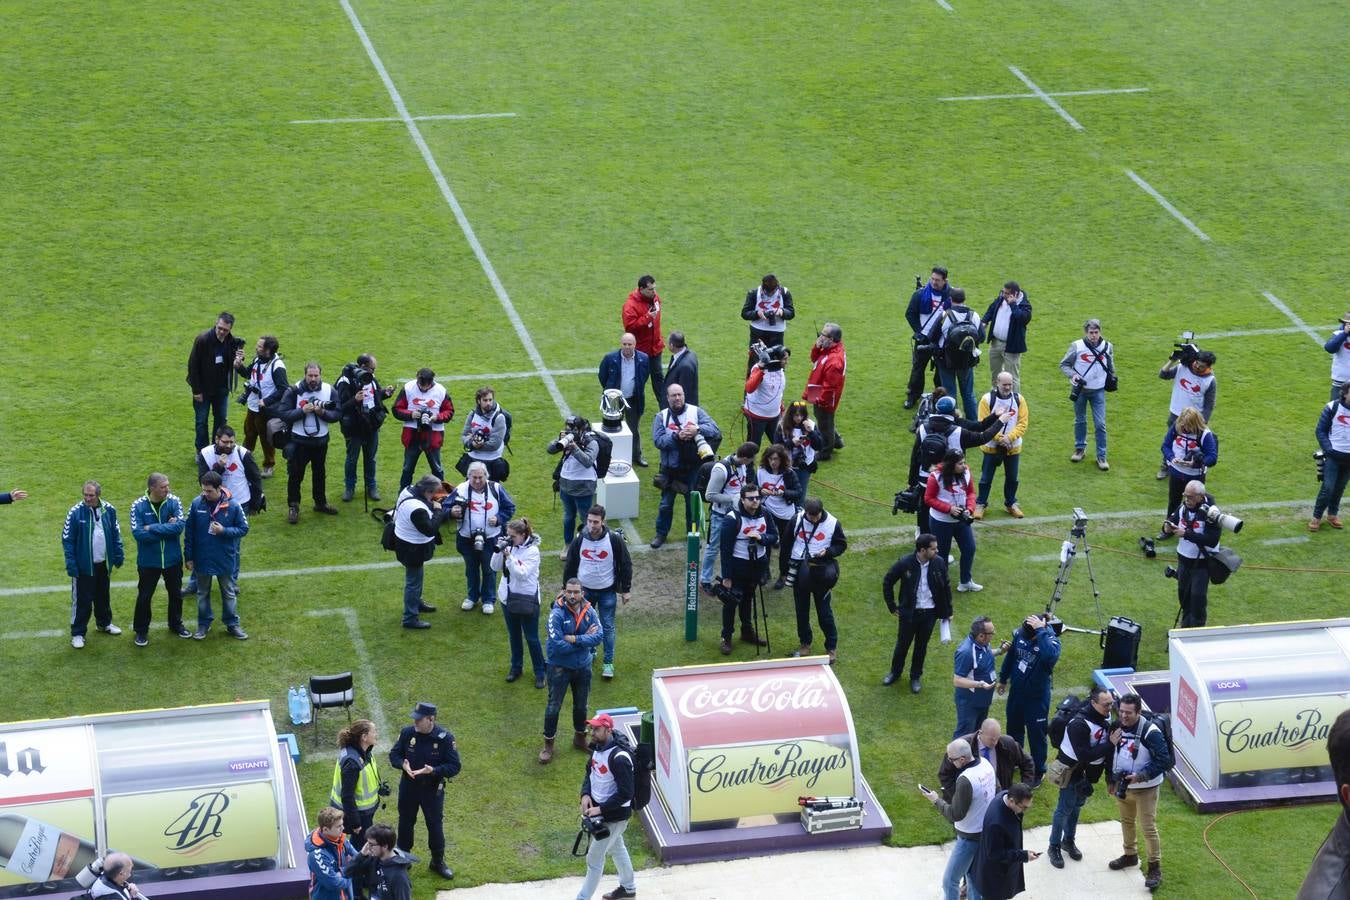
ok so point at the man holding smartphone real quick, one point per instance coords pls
(998, 871)
(976, 786)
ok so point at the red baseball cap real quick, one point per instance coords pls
(603, 720)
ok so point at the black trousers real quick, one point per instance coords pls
(918, 630)
(918, 373)
(755, 429)
(302, 454)
(91, 592)
(1193, 591)
(747, 584)
(432, 804)
(658, 380)
(814, 583)
(633, 417)
(145, 589)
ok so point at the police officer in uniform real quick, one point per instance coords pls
(1029, 667)
(427, 755)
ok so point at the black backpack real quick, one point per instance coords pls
(963, 337)
(933, 447)
(704, 475)
(1164, 723)
(642, 770)
(604, 451)
(1068, 709)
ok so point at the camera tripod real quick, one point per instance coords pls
(1068, 553)
(759, 616)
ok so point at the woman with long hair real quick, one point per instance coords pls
(799, 435)
(356, 779)
(517, 557)
(782, 494)
(951, 508)
(1188, 450)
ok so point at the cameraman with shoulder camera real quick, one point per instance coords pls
(420, 511)
(1141, 760)
(1188, 449)
(423, 406)
(575, 474)
(1196, 520)
(606, 807)
(748, 533)
(926, 306)
(1029, 668)
(763, 404)
(484, 436)
(685, 435)
(768, 308)
(1191, 371)
(265, 383)
(210, 369)
(817, 541)
(1083, 753)
(482, 508)
(308, 406)
(361, 403)
(925, 597)
(1333, 435)
(1090, 367)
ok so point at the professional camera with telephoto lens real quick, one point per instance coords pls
(1215, 516)
(479, 537)
(361, 375)
(703, 448)
(1076, 391)
(1169, 571)
(503, 541)
(907, 500)
(790, 578)
(766, 355)
(595, 827)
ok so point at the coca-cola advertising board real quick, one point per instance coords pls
(742, 740)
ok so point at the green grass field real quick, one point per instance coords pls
(154, 175)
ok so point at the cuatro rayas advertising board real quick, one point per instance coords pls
(745, 740)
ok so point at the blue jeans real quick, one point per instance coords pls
(1064, 825)
(559, 680)
(371, 445)
(958, 865)
(574, 508)
(715, 522)
(803, 479)
(410, 455)
(965, 380)
(229, 602)
(191, 587)
(965, 540)
(665, 513)
(1010, 463)
(219, 406)
(1096, 397)
(478, 574)
(606, 603)
(412, 591)
(1334, 477)
(522, 630)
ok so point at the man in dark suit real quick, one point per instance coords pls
(925, 597)
(997, 873)
(1003, 753)
(626, 370)
(683, 368)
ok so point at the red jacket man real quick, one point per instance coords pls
(642, 319)
(825, 384)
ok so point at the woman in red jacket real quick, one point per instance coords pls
(951, 502)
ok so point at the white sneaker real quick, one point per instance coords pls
(467, 604)
(951, 560)
(77, 642)
(488, 608)
(110, 629)
(969, 586)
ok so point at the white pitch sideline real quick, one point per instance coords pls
(445, 118)
(1090, 93)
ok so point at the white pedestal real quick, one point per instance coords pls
(618, 494)
(623, 442)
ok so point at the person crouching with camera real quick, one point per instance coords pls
(606, 807)
(1189, 449)
(1192, 522)
(1333, 434)
(950, 499)
(1141, 759)
(481, 507)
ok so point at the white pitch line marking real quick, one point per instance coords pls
(1049, 101)
(448, 195)
(503, 376)
(1293, 317)
(1162, 201)
(630, 530)
(945, 5)
(1273, 542)
(1045, 557)
(1091, 93)
(445, 118)
(363, 664)
(30, 635)
(1252, 332)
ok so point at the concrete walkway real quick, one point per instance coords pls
(914, 873)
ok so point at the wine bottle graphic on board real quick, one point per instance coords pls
(40, 852)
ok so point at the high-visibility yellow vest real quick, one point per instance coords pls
(367, 783)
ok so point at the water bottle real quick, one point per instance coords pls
(306, 709)
(293, 704)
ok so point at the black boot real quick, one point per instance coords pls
(1056, 858)
(440, 868)
(1154, 876)
(1072, 849)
